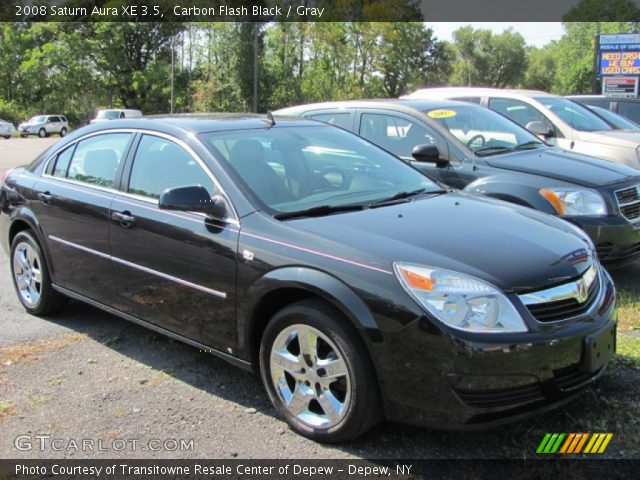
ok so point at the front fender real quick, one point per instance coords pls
(513, 189)
(309, 280)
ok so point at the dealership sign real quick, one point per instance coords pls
(619, 55)
(620, 86)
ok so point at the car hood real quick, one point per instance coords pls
(566, 166)
(514, 248)
(614, 138)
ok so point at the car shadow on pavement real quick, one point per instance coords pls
(599, 409)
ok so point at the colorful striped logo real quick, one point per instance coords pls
(563, 443)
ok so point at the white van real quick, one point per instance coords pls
(115, 114)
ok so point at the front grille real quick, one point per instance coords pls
(571, 378)
(502, 397)
(564, 301)
(561, 309)
(629, 202)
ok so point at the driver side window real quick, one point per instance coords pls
(160, 164)
(520, 112)
(397, 134)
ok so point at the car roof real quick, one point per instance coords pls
(391, 103)
(445, 91)
(203, 122)
(613, 99)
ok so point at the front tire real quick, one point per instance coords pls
(30, 275)
(318, 373)
(63, 132)
(42, 133)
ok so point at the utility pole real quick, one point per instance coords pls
(173, 66)
(256, 29)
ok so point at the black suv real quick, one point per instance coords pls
(480, 151)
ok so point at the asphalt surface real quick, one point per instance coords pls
(84, 377)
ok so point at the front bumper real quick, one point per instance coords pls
(29, 130)
(617, 240)
(447, 382)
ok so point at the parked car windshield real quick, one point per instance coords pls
(574, 114)
(108, 114)
(616, 121)
(293, 169)
(484, 131)
(38, 119)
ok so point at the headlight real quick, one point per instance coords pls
(574, 201)
(460, 301)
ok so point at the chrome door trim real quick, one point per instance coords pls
(121, 261)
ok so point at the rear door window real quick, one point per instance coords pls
(96, 159)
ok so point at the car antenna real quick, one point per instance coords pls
(271, 119)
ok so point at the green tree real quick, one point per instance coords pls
(486, 59)
(541, 68)
(410, 57)
(132, 59)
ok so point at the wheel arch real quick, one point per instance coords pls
(512, 189)
(23, 220)
(285, 286)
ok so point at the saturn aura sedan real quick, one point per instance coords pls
(358, 287)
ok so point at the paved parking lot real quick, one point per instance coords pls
(84, 377)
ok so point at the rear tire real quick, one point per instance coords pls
(318, 373)
(7, 137)
(30, 275)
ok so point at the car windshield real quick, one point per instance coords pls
(38, 119)
(577, 116)
(299, 169)
(616, 121)
(484, 131)
(108, 114)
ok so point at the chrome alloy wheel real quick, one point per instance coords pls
(27, 272)
(310, 376)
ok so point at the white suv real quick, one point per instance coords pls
(559, 121)
(44, 125)
(116, 114)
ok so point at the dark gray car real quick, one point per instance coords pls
(480, 151)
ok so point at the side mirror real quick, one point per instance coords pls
(540, 129)
(193, 198)
(429, 153)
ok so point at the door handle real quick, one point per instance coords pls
(125, 219)
(46, 197)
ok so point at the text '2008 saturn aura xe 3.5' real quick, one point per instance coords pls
(358, 287)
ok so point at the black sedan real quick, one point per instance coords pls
(357, 286)
(480, 151)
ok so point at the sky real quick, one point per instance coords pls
(536, 34)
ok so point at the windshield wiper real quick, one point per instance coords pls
(318, 211)
(491, 150)
(398, 196)
(528, 145)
